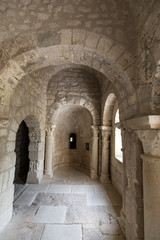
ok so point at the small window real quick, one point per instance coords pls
(87, 146)
(72, 141)
(118, 140)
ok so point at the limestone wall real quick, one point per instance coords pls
(110, 18)
(85, 50)
(148, 55)
(133, 186)
(73, 86)
(72, 119)
(26, 105)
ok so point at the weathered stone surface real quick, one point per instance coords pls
(67, 211)
(74, 54)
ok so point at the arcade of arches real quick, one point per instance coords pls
(66, 68)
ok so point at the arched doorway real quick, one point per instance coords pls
(22, 157)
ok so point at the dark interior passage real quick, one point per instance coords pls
(22, 154)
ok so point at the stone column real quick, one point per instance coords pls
(151, 182)
(151, 191)
(94, 158)
(106, 132)
(48, 152)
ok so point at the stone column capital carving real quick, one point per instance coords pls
(50, 130)
(106, 131)
(95, 131)
(150, 141)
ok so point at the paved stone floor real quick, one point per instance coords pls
(71, 206)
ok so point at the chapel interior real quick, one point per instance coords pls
(80, 120)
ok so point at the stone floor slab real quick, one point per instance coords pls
(90, 234)
(52, 199)
(62, 232)
(26, 231)
(53, 188)
(98, 199)
(50, 214)
(25, 199)
(23, 214)
(82, 189)
(37, 188)
(81, 214)
(76, 200)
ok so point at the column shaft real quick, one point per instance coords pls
(151, 191)
(106, 132)
(48, 153)
(94, 159)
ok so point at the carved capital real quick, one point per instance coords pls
(50, 130)
(33, 137)
(95, 131)
(106, 132)
(150, 140)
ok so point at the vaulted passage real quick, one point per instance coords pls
(70, 206)
(80, 89)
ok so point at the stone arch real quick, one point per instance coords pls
(156, 88)
(108, 110)
(36, 151)
(78, 47)
(76, 100)
(71, 119)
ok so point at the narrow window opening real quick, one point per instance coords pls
(72, 141)
(87, 146)
(118, 140)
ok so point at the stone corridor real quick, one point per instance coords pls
(70, 206)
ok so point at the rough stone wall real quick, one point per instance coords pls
(148, 55)
(26, 104)
(73, 86)
(72, 119)
(133, 196)
(29, 72)
(111, 18)
(87, 48)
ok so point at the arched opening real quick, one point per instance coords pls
(22, 157)
(28, 154)
(118, 139)
(116, 158)
(71, 136)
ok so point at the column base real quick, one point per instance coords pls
(33, 178)
(121, 221)
(93, 175)
(104, 179)
(48, 174)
